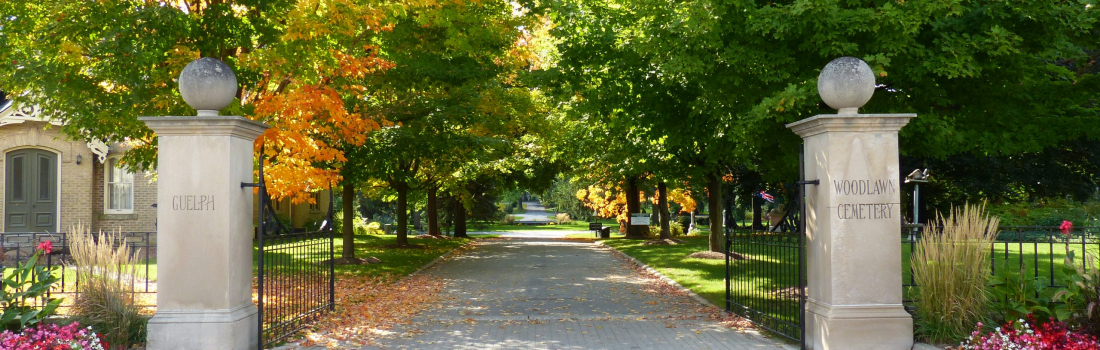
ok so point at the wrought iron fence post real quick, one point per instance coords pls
(729, 277)
(802, 246)
(261, 201)
(332, 251)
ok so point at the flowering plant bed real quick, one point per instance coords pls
(52, 337)
(1052, 335)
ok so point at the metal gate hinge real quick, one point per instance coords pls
(810, 182)
(249, 184)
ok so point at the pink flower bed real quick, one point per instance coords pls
(1052, 335)
(52, 337)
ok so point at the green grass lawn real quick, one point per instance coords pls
(704, 277)
(68, 274)
(575, 226)
(395, 262)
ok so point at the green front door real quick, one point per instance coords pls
(30, 191)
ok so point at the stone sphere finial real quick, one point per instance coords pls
(846, 84)
(208, 85)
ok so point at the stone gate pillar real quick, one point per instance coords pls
(204, 219)
(853, 249)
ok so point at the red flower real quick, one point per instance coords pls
(1066, 227)
(46, 246)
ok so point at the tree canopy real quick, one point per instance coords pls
(437, 96)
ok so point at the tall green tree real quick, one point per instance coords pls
(453, 96)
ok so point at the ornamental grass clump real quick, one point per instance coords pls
(106, 275)
(951, 270)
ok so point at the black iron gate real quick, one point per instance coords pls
(295, 272)
(766, 274)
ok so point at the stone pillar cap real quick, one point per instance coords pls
(823, 123)
(205, 126)
(208, 85)
(846, 84)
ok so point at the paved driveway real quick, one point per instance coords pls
(556, 294)
(535, 213)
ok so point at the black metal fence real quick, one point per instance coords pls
(765, 281)
(1038, 251)
(296, 283)
(295, 277)
(18, 247)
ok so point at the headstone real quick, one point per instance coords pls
(853, 249)
(204, 245)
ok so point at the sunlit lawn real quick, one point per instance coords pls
(704, 277)
(395, 262)
(575, 226)
(68, 273)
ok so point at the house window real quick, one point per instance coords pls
(119, 189)
(316, 206)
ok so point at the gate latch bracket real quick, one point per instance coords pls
(249, 184)
(809, 182)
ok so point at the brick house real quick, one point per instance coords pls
(51, 181)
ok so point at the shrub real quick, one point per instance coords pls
(22, 287)
(676, 229)
(374, 228)
(683, 220)
(1015, 293)
(338, 222)
(106, 275)
(563, 218)
(509, 220)
(1052, 335)
(52, 337)
(950, 267)
(1080, 299)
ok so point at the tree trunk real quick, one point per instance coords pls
(714, 189)
(433, 212)
(402, 189)
(633, 206)
(758, 214)
(349, 221)
(417, 224)
(662, 206)
(460, 220)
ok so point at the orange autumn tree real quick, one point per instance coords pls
(302, 66)
(309, 101)
(684, 198)
(607, 203)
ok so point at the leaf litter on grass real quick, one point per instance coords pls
(370, 306)
(653, 284)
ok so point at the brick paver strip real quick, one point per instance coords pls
(558, 294)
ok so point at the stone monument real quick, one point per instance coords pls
(853, 225)
(204, 233)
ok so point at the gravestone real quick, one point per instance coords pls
(853, 249)
(204, 245)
